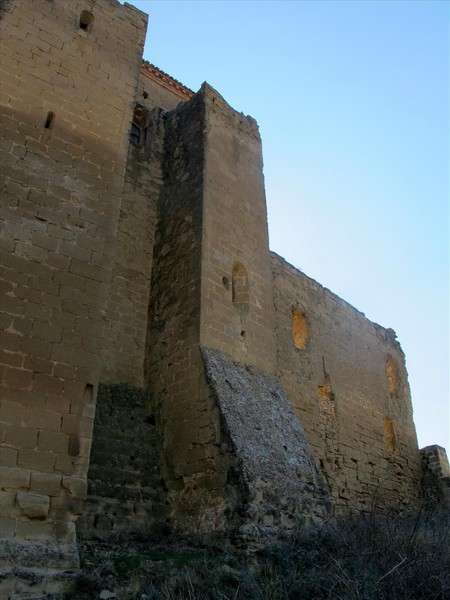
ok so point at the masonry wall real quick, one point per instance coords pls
(123, 354)
(66, 107)
(221, 420)
(279, 483)
(346, 379)
(127, 308)
(126, 491)
(193, 464)
(147, 263)
(237, 307)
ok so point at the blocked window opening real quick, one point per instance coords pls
(392, 375)
(327, 404)
(239, 286)
(389, 434)
(299, 328)
(86, 20)
(49, 120)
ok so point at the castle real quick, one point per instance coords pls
(161, 368)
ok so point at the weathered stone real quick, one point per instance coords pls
(436, 476)
(281, 477)
(33, 506)
(61, 183)
(48, 483)
(106, 595)
(254, 395)
(126, 488)
(76, 486)
(13, 479)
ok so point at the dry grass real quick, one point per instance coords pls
(364, 558)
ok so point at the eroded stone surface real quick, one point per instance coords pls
(284, 487)
(34, 506)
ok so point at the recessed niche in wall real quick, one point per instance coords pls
(389, 435)
(299, 328)
(86, 20)
(239, 287)
(392, 375)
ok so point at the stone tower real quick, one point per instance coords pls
(69, 78)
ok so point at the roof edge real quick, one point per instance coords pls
(165, 80)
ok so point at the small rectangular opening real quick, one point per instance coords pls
(49, 120)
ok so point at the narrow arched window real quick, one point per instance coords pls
(138, 131)
(299, 328)
(240, 288)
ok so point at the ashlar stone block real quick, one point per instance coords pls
(34, 506)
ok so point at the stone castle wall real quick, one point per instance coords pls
(202, 306)
(237, 393)
(124, 350)
(237, 314)
(348, 384)
(174, 365)
(127, 308)
(126, 490)
(67, 98)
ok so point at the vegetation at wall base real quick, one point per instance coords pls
(358, 558)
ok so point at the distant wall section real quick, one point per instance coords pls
(436, 475)
(346, 379)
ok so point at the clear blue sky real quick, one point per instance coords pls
(352, 100)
